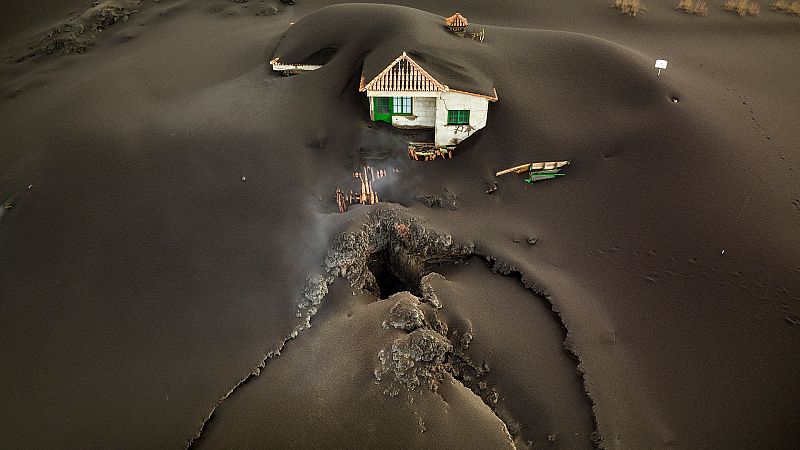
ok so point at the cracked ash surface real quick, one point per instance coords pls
(426, 343)
(393, 252)
(394, 245)
(391, 245)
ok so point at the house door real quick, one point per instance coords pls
(383, 109)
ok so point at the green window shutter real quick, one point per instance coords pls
(458, 117)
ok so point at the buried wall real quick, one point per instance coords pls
(423, 114)
(423, 108)
(478, 108)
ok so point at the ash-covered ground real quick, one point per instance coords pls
(174, 271)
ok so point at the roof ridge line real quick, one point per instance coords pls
(416, 65)
(444, 87)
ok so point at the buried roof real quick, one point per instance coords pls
(406, 75)
(456, 21)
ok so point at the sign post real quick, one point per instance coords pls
(661, 64)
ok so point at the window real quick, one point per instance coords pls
(458, 117)
(401, 105)
(383, 105)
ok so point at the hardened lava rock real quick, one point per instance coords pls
(106, 16)
(428, 346)
(76, 36)
(428, 294)
(417, 359)
(410, 246)
(406, 313)
(314, 290)
(65, 39)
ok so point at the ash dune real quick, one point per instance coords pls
(310, 387)
(169, 196)
(425, 361)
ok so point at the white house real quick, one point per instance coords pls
(407, 96)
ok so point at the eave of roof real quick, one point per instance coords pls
(369, 86)
(491, 98)
(456, 20)
(427, 77)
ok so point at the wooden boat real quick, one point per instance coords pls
(539, 167)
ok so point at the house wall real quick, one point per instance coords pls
(453, 134)
(371, 106)
(423, 114)
(430, 110)
(423, 108)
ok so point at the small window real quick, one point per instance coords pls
(383, 105)
(458, 117)
(401, 105)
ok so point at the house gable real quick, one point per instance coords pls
(403, 75)
(456, 21)
(406, 75)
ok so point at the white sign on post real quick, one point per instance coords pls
(661, 64)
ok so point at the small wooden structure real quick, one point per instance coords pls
(292, 69)
(456, 23)
(428, 151)
(367, 196)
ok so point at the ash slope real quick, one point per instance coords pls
(636, 235)
(134, 230)
(421, 362)
(320, 394)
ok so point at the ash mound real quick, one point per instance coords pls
(414, 359)
(394, 253)
(620, 77)
(432, 349)
(78, 34)
(371, 45)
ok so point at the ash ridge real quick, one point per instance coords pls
(78, 34)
